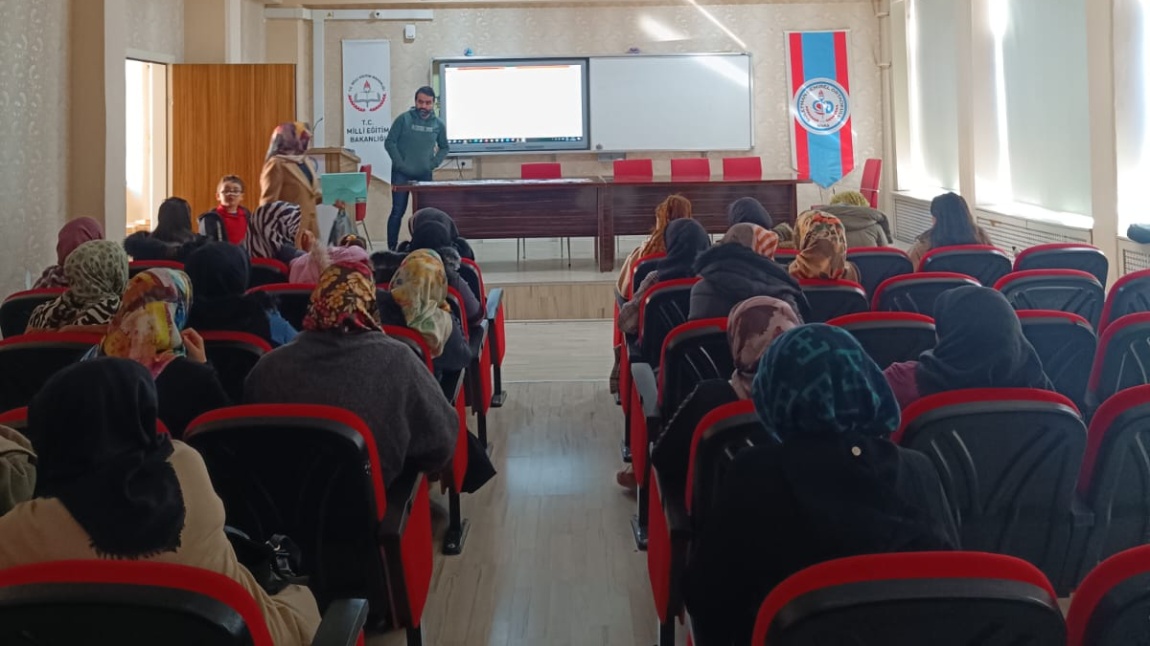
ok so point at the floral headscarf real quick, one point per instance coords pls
(272, 226)
(289, 139)
(419, 287)
(751, 328)
(146, 328)
(97, 272)
(343, 300)
(822, 245)
(762, 241)
(675, 207)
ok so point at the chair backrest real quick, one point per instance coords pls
(890, 337)
(693, 352)
(1066, 345)
(872, 174)
(126, 602)
(985, 263)
(786, 256)
(665, 307)
(1110, 607)
(17, 309)
(876, 264)
(833, 298)
(1129, 295)
(1008, 459)
(910, 599)
(916, 292)
(137, 266)
(641, 268)
(541, 170)
(720, 436)
(1123, 357)
(267, 271)
(455, 302)
(1065, 255)
(690, 168)
(1066, 290)
(17, 418)
(413, 340)
(28, 361)
(743, 168)
(472, 275)
(292, 300)
(233, 355)
(634, 170)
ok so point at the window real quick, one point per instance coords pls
(146, 142)
(932, 94)
(1132, 109)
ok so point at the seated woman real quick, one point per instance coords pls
(97, 273)
(434, 235)
(219, 272)
(110, 487)
(418, 300)
(753, 325)
(272, 232)
(686, 239)
(980, 345)
(750, 211)
(834, 486)
(17, 469)
(73, 234)
(343, 359)
(173, 238)
(435, 215)
(307, 268)
(675, 207)
(822, 245)
(738, 268)
(952, 225)
(149, 329)
(865, 227)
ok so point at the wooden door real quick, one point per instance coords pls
(222, 120)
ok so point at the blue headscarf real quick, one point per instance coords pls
(817, 379)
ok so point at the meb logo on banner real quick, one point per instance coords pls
(822, 142)
(367, 102)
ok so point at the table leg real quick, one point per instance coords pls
(605, 243)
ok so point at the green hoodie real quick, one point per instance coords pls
(417, 146)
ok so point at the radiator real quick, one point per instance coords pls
(911, 217)
(1014, 234)
(1133, 256)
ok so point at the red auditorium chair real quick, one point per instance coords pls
(541, 170)
(786, 256)
(17, 309)
(292, 299)
(985, 263)
(268, 271)
(492, 304)
(1129, 295)
(912, 599)
(916, 292)
(142, 603)
(137, 266)
(361, 208)
(1123, 358)
(1008, 459)
(234, 354)
(1065, 290)
(742, 168)
(28, 361)
(639, 271)
(634, 170)
(1066, 345)
(1065, 255)
(691, 169)
(876, 264)
(872, 173)
(356, 539)
(479, 386)
(832, 298)
(1111, 605)
(890, 337)
(17, 418)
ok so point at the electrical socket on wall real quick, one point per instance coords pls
(466, 163)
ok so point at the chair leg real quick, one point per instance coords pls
(639, 520)
(457, 526)
(415, 636)
(499, 395)
(568, 252)
(367, 235)
(667, 632)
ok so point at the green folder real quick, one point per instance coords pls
(349, 187)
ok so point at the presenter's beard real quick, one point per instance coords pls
(423, 113)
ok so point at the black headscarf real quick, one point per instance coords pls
(174, 222)
(100, 455)
(435, 215)
(219, 272)
(685, 239)
(980, 345)
(430, 234)
(749, 210)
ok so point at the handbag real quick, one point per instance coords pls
(273, 564)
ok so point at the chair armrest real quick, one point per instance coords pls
(452, 384)
(643, 378)
(342, 623)
(674, 509)
(401, 496)
(494, 300)
(631, 343)
(477, 338)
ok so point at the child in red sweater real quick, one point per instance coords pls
(229, 222)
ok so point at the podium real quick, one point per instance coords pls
(335, 160)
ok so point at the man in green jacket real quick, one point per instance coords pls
(417, 145)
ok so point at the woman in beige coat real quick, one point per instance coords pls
(289, 176)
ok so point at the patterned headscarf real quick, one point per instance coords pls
(751, 328)
(419, 287)
(852, 198)
(762, 241)
(675, 207)
(822, 245)
(817, 379)
(96, 272)
(343, 300)
(146, 329)
(272, 226)
(289, 139)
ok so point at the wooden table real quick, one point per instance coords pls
(592, 207)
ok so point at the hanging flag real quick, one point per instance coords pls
(822, 146)
(367, 102)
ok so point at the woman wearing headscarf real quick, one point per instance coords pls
(435, 215)
(865, 227)
(952, 224)
(675, 207)
(433, 234)
(97, 273)
(342, 358)
(822, 245)
(172, 239)
(17, 469)
(749, 210)
(738, 268)
(980, 345)
(833, 486)
(219, 272)
(685, 239)
(109, 486)
(753, 325)
(272, 232)
(418, 300)
(289, 176)
(149, 328)
(307, 268)
(72, 235)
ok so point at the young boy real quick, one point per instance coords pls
(229, 222)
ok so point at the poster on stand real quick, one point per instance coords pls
(367, 102)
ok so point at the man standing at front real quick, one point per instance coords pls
(417, 145)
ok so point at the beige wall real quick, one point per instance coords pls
(253, 32)
(156, 27)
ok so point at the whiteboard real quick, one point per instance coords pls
(684, 102)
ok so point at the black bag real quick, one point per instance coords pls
(273, 564)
